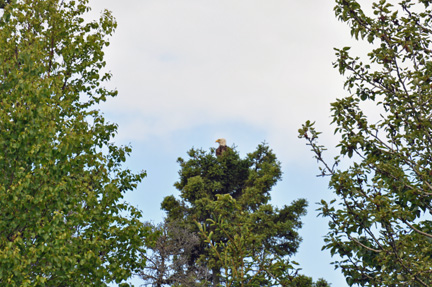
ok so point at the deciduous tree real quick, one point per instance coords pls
(3, 3)
(380, 222)
(61, 178)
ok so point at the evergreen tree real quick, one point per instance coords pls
(240, 254)
(225, 201)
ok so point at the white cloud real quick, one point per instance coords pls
(178, 64)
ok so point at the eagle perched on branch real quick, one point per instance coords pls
(222, 147)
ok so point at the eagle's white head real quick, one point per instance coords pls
(221, 142)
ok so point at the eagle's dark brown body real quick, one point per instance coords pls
(222, 147)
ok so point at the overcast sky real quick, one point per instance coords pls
(191, 71)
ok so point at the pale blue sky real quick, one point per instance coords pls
(191, 71)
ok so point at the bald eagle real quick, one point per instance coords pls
(222, 147)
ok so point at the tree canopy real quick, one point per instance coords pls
(380, 221)
(61, 178)
(225, 203)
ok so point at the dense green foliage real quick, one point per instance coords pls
(3, 3)
(61, 179)
(380, 223)
(243, 239)
(239, 252)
